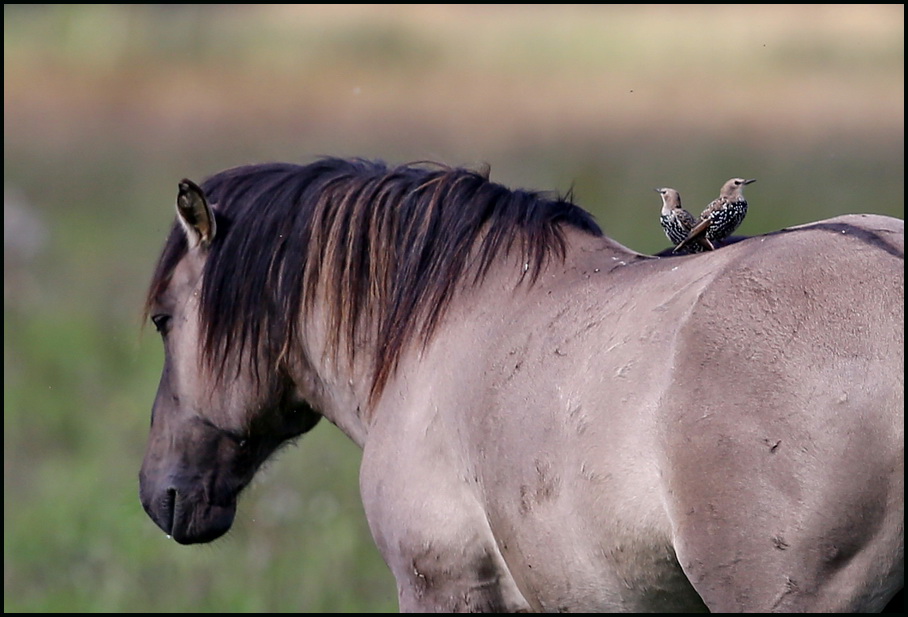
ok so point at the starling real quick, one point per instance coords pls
(678, 222)
(722, 216)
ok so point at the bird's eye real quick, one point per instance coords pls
(160, 321)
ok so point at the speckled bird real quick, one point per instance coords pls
(678, 222)
(722, 216)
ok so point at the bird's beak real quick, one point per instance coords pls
(749, 181)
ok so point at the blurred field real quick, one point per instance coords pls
(107, 107)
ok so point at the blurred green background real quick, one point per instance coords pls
(107, 107)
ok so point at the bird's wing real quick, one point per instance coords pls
(698, 230)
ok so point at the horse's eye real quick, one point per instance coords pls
(160, 321)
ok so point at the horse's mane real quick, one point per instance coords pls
(388, 245)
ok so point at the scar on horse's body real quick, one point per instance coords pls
(549, 420)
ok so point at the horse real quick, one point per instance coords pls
(549, 421)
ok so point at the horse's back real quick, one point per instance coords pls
(784, 426)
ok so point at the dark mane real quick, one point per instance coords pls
(387, 246)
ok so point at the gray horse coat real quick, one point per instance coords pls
(617, 432)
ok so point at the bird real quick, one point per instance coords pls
(677, 222)
(722, 216)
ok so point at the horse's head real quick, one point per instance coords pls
(218, 413)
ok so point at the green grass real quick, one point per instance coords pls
(107, 107)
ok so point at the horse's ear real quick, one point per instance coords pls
(195, 214)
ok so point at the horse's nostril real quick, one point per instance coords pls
(168, 510)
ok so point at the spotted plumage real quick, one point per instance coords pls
(677, 222)
(721, 217)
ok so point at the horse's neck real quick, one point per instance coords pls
(340, 389)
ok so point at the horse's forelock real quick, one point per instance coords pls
(175, 248)
(391, 241)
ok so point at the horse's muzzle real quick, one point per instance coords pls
(184, 515)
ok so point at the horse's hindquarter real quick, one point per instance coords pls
(782, 432)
